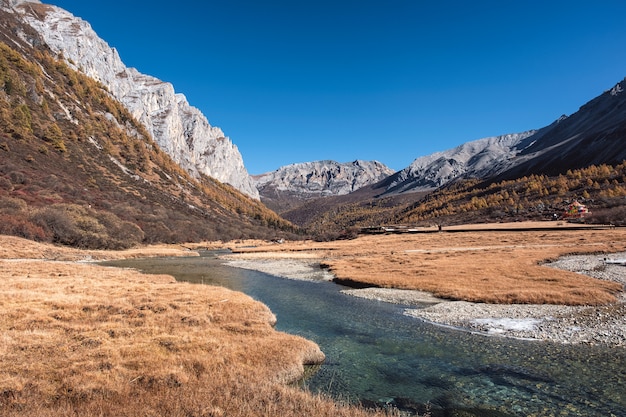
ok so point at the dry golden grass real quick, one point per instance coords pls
(479, 266)
(80, 339)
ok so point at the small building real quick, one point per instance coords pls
(576, 212)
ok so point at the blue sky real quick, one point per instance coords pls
(391, 80)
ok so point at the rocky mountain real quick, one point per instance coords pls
(294, 184)
(593, 135)
(474, 159)
(518, 176)
(178, 128)
(77, 168)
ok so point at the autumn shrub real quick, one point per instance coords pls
(611, 215)
(122, 234)
(157, 232)
(57, 223)
(12, 205)
(17, 225)
(82, 227)
(18, 178)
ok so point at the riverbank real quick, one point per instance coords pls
(592, 325)
(603, 324)
(496, 267)
(83, 339)
(556, 323)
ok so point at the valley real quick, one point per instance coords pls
(134, 345)
(101, 162)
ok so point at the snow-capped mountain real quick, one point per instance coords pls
(179, 129)
(308, 180)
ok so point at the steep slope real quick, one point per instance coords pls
(474, 159)
(291, 185)
(178, 128)
(77, 168)
(595, 134)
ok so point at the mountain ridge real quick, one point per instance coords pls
(293, 184)
(179, 129)
(468, 160)
(596, 127)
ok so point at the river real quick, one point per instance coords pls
(375, 354)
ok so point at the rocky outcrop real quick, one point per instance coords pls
(180, 129)
(323, 178)
(284, 188)
(474, 159)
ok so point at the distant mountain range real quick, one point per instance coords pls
(291, 185)
(595, 134)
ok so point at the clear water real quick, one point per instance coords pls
(375, 353)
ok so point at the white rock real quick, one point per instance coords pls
(473, 159)
(181, 130)
(323, 178)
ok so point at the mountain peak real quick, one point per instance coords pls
(182, 131)
(13, 3)
(299, 182)
(618, 88)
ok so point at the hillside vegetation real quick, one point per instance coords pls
(534, 197)
(76, 168)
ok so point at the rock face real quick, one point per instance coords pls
(475, 159)
(180, 129)
(283, 188)
(323, 178)
(593, 135)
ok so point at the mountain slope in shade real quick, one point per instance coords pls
(179, 129)
(594, 135)
(294, 184)
(474, 159)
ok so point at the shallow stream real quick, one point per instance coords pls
(376, 355)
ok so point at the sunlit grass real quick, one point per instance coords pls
(492, 267)
(79, 339)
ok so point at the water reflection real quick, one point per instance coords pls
(376, 354)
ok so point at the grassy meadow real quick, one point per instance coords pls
(491, 266)
(81, 339)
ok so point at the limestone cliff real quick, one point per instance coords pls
(294, 184)
(180, 129)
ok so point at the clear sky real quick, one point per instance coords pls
(391, 80)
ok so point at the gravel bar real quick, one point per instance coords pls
(593, 325)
